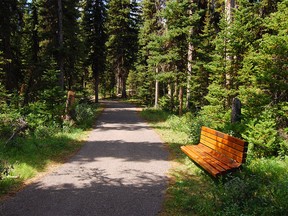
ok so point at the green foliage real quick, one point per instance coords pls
(5, 169)
(85, 114)
(34, 153)
(217, 111)
(254, 100)
(8, 118)
(195, 127)
(283, 143)
(181, 124)
(121, 46)
(46, 142)
(43, 132)
(260, 188)
(154, 115)
(38, 115)
(189, 124)
(261, 135)
(165, 103)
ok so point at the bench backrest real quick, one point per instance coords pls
(230, 146)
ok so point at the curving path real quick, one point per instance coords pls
(121, 170)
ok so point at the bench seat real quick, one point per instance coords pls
(217, 153)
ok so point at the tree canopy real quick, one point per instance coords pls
(184, 56)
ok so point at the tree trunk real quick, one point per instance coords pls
(156, 89)
(118, 84)
(171, 94)
(35, 50)
(180, 101)
(123, 83)
(189, 65)
(96, 83)
(236, 111)
(229, 6)
(60, 43)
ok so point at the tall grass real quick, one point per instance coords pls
(260, 188)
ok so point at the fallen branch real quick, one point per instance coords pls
(21, 126)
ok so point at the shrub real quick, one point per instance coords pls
(5, 169)
(85, 114)
(180, 123)
(261, 135)
(195, 127)
(8, 118)
(283, 144)
(165, 103)
(43, 131)
(154, 115)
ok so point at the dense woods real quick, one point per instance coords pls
(190, 58)
(182, 56)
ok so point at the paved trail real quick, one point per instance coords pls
(120, 171)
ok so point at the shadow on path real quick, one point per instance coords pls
(121, 170)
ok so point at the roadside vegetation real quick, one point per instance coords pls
(260, 188)
(193, 58)
(46, 140)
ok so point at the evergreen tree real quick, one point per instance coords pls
(11, 24)
(264, 74)
(59, 33)
(231, 44)
(95, 38)
(152, 26)
(31, 49)
(200, 47)
(178, 28)
(122, 29)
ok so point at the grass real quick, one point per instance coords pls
(36, 153)
(260, 188)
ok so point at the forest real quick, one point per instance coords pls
(189, 58)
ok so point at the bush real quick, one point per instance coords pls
(43, 131)
(283, 144)
(195, 127)
(261, 135)
(181, 124)
(8, 119)
(154, 115)
(5, 169)
(165, 103)
(85, 114)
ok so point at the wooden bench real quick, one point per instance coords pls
(217, 153)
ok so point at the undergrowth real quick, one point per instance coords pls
(41, 146)
(260, 188)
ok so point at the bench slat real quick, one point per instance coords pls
(223, 141)
(225, 160)
(200, 161)
(227, 151)
(225, 136)
(221, 167)
(212, 161)
(217, 153)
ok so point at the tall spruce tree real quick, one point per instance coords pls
(11, 26)
(199, 48)
(264, 74)
(31, 49)
(178, 24)
(95, 37)
(122, 31)
(152, 26)
(59, 32)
